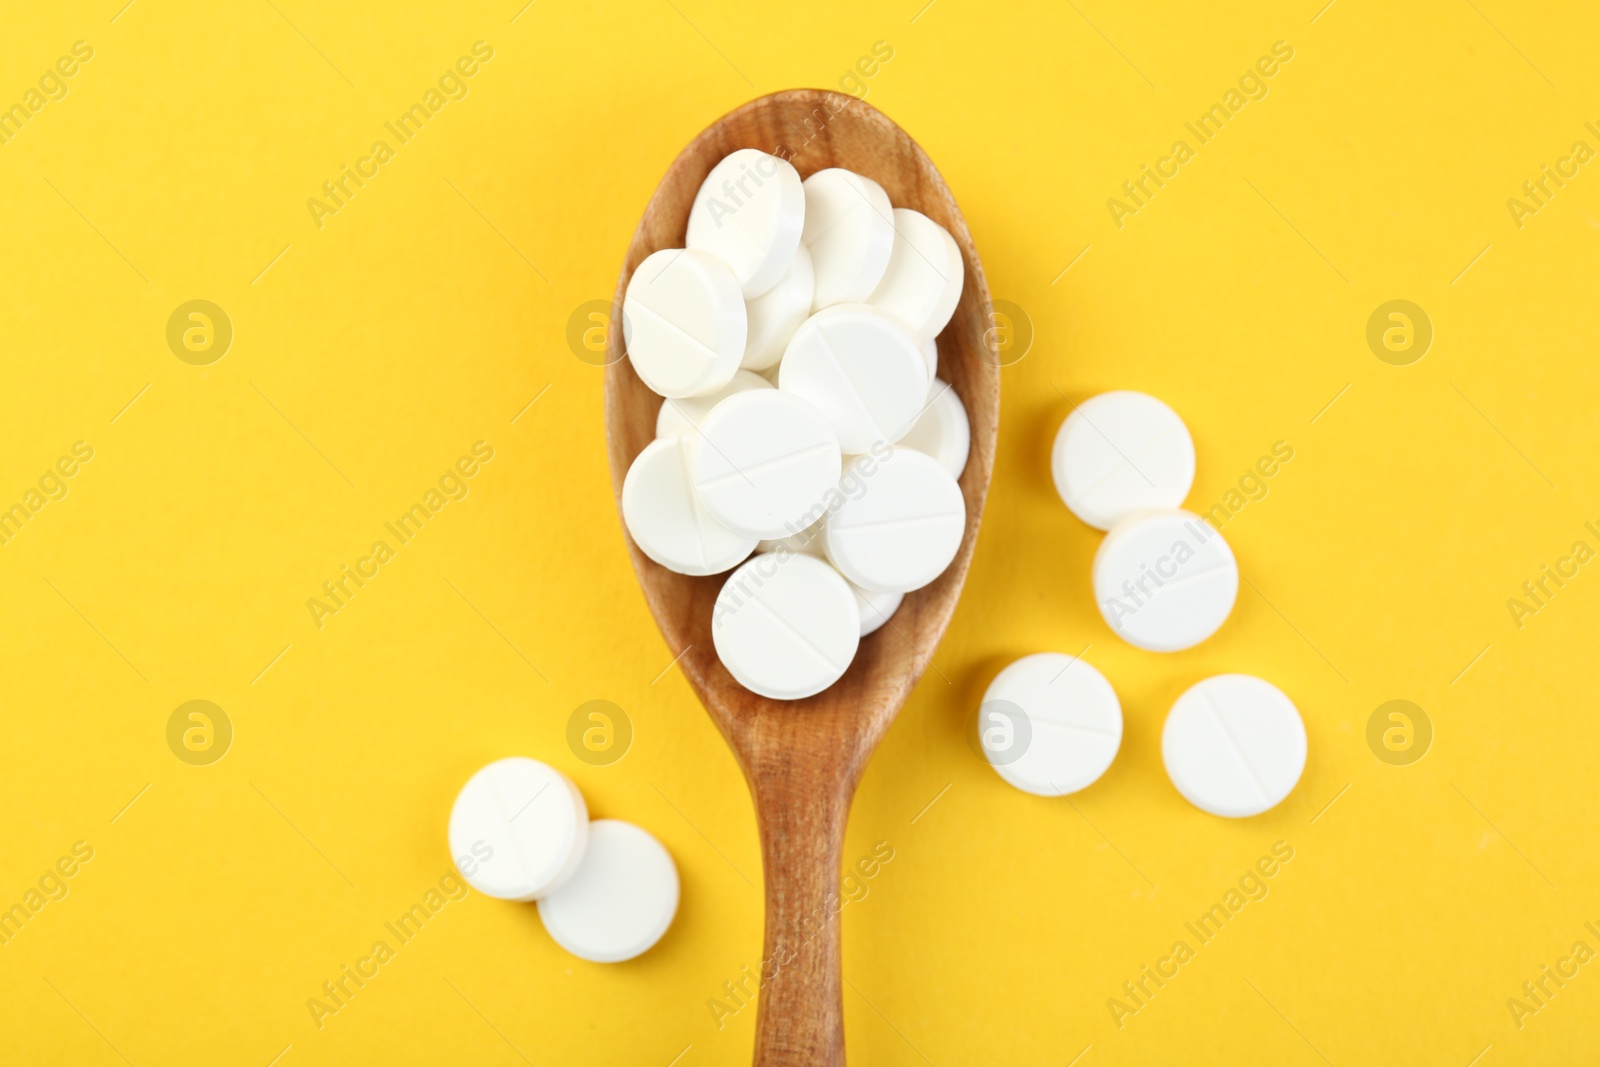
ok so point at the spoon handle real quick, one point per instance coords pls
(802, 821)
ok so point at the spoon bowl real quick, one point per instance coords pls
(803, 758)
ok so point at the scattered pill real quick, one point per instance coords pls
(684, 415)
(749, 213)
(762, 463)
(942, 430)
(777, 313)
(785, 626)
(1234, 745)
(1165, 580)
(621, 900)
(1050, 724)
(922, 283)
(900, 524)
(849, 229)
(519, 829)
(684, 322)
(861, 369)
(1120, 453)
(666, 518)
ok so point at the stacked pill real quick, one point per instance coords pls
(1164, 580)
(606, 890)
(805, 441)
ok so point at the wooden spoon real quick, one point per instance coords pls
(803, 758)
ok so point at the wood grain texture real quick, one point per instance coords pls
(803, 758)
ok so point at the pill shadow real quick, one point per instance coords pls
(970, 686)
(1044, 518)
(1039, 436)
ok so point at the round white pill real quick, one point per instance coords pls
(1050, 724)
(1234, 745)
(621, 900)
(665, 517)
(681, 415)
(1165, 580)
(942, 430)
(777, 313)
(786, 626)
(861, 369)
(763, 461)
(875, 608)
(850, 230)
(1120, 453)
(518, 830)
(684, 322)
(749, 213)
(922, 283)
(900, 524)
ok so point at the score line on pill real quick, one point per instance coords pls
(665, 517)
(763, 461)
(1120, 453)
(1234, 745)
(861, 369)
(1165, 580)
(1050, 724)
(902, 527)
(786, 625)
(523, 824)
(684, 322)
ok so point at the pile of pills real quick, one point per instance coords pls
(606, 890)
(804, 435)
(1164, 580)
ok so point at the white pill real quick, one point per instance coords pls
(785, 626)
(900, 523)
(762, 463)
(942, 430)
(1234, 745)
(684, 322)
(665, 517)
(875, 608)
(1119, 453)
(1050, 724)
(1165, 580)
(749, 213)
(621, 900)
(684, 415)
(808, 540)
(518, 830)
(922, 283)
(777, 313)
(930, 352)
(861, 369)
(850, 230)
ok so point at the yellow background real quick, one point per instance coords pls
(370, 353)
